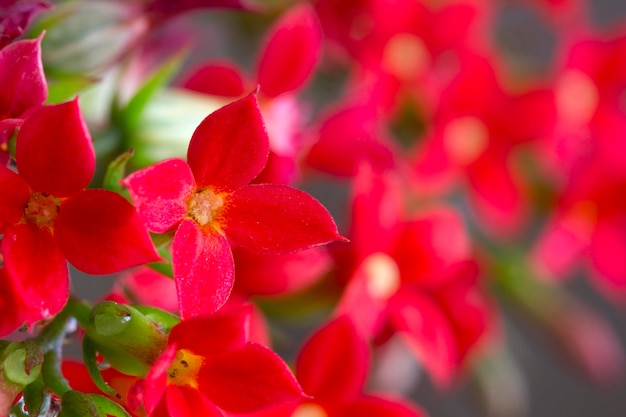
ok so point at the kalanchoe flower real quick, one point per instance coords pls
(15, 15)
(46, 215)
(208, 202)
(224, 371)
(23, 86)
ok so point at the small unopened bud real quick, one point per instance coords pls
(126, 338)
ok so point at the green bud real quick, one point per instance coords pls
(21, 364)
(125, 337)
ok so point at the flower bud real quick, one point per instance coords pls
(88, 37)
(126, 338)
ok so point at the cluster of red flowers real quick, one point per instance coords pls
(469, 181)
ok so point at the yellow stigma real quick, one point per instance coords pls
(184, 369)
(204, 206)
(383, 275)
(41, 209)
(309, 410)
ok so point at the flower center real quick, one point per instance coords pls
(41, 209)
(465, 139)
(309, 410)
(184, 369)
(383, 275)
(205, 206)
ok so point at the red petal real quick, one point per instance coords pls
(59, 160)
(265, 274)
(371, 406)
(216, 78)
(14, 312)
(160, 193)
(156, 379)
(247, 380)
(296, 35)
(608, 251)
(333, 363)
(203, 268)
(188, 402)
(13, 198)
(101, 233)
(22, 78)
(38, 268)
(228, 329)
(427, 331)
(277, 218)
(230, 147)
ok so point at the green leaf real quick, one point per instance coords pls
(116, 172)
(34, 396)
(66, 87)
(131, 112)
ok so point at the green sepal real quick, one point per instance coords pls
(89, 357)
(163, 318)
(77, 404)
(107, 407)
(116, 171)
(127, 339)
(34, 396)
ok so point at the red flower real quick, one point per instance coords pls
(46, 215)
(415, 277)
(208, 202)
(200, 376)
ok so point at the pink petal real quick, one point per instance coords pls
(296, 35)
(203, 268)
(333, 364)
(427, 331)
(160, 193)
(37, 267)
(216, 78)
(57, 161)
(277, 218)
(13, 198)
(371, 406)
(22, 78)
(228, 329)
(247, 380)
(230, 147)
(101, 233)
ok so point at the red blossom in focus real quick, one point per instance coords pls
(209, 201)
(47, 217)
(202, 376)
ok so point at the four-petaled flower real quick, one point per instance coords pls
(209, 201)
(46, 215)
(204, 375)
